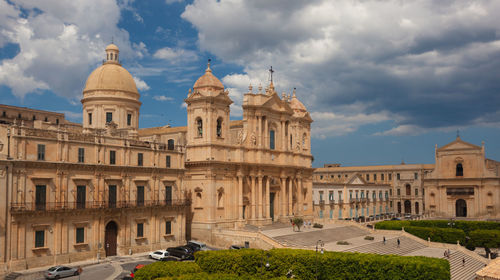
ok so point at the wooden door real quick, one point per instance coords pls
(110, 238)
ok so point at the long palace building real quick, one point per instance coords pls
(105, 187)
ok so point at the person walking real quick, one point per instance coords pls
(399, 242)
(384, 240)
(445, 254)
(463, 261)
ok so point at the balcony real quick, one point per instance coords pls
(32, 207)
(340, 201)
(321, 202)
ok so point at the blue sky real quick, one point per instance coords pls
(384, 81)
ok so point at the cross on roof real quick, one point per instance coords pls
(271, 71)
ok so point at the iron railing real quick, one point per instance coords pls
(64, 206)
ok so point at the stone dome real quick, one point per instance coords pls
(110, 76)
(208, 81)
(112, 47)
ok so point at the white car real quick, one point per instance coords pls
(159, 255)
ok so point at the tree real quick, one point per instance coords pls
(298, 222)
(485, 238)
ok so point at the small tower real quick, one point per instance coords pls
(208, 117)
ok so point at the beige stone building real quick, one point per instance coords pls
(105, 187)
(351, 197)
(464, 183)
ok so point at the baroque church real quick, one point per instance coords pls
(106, 187)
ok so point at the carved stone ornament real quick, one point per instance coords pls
(253, 139)
(198, 189)
(241, 136)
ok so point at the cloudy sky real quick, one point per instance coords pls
(384, 80)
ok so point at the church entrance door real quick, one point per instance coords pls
(110, 238)
(407, 207)
(461, 208)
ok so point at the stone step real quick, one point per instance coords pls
(12, 276)
(459, 271)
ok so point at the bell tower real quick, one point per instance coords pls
(208, 118)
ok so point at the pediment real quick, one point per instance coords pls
(356, 179)
(458, 144)
(275, 103)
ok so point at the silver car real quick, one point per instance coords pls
(60, 271)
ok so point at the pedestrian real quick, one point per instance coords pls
(445, 254)
(399, 242)
(463, 261)
(384, 240)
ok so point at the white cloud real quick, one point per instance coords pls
(424, 63)
(331, 124)
(59, 43)
(162, 98)
(141, 85)
(175, 55)
(173, 1)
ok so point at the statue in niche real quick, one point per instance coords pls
(253, 139)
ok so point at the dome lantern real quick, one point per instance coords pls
(112, 52)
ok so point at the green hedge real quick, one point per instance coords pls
(443, 235)
(217, 276)
(163, 269)
(485, 238)
(330, 265)
(466, 226)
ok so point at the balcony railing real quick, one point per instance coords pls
(65, 206)
(321, 202)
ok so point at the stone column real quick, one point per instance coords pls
(290, 198)
(283, 196)
(266, 137)
(259, 131)
(283, 137)
(254, 197)
(299, 198)
(268, 200)
(259, 194)
(240, 197)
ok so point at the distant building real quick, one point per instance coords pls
(462, 183)
(105, 187)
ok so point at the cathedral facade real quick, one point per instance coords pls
(106, 187)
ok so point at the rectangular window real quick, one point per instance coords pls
(81, 155)
(390, 177)
(167, 161)
(390, 192)
(140, 195)
(80, 197)
(416, 175)
(112, 157)
(140, 158)
(57, 121)
(271, 140)
(320, 196)
(80, 235)
(109, 117)
(40, 197)
(39, 238)
(416, 191)
(168, 227)
(90, 118)
(399, 192)
(382, 176)
(129, 119)
(112, 196)
(330, 196)
(41, 152)
(398, 176)
(170, 144)
(374, 177)
(140, 230)
(168, 195)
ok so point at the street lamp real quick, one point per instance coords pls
(451, 223)
(319, 245)
(266, 265)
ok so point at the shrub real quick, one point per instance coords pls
(216, 276)
(369, 237)
(330, 265)
(485, 238)
(343, 243)
(162, 269)
(392, 225)
(316, 225)
(466, 226)
(443, 235)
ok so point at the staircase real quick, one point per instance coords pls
(390, 248)
(463, 272)
(12, 276)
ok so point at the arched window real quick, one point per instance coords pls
(220, 198)
(304, 137)
(219, 127)
(198, 200)
(460, 170)
(271, 140)
(408, 189)
(199, 126)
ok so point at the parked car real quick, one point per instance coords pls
(159, 255)
(137, 267)
(408, 216)
(181, 252)
(236, 247)
(197, 246)
(60, 271)
(396, 219)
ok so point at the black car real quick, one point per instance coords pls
(181, 252)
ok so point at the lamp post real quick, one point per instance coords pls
(264, 266)
(8, 143)
(319, 245)
(451, 223)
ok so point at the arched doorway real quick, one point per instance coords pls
(110, 238)
(461, 208)
(407, 207)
